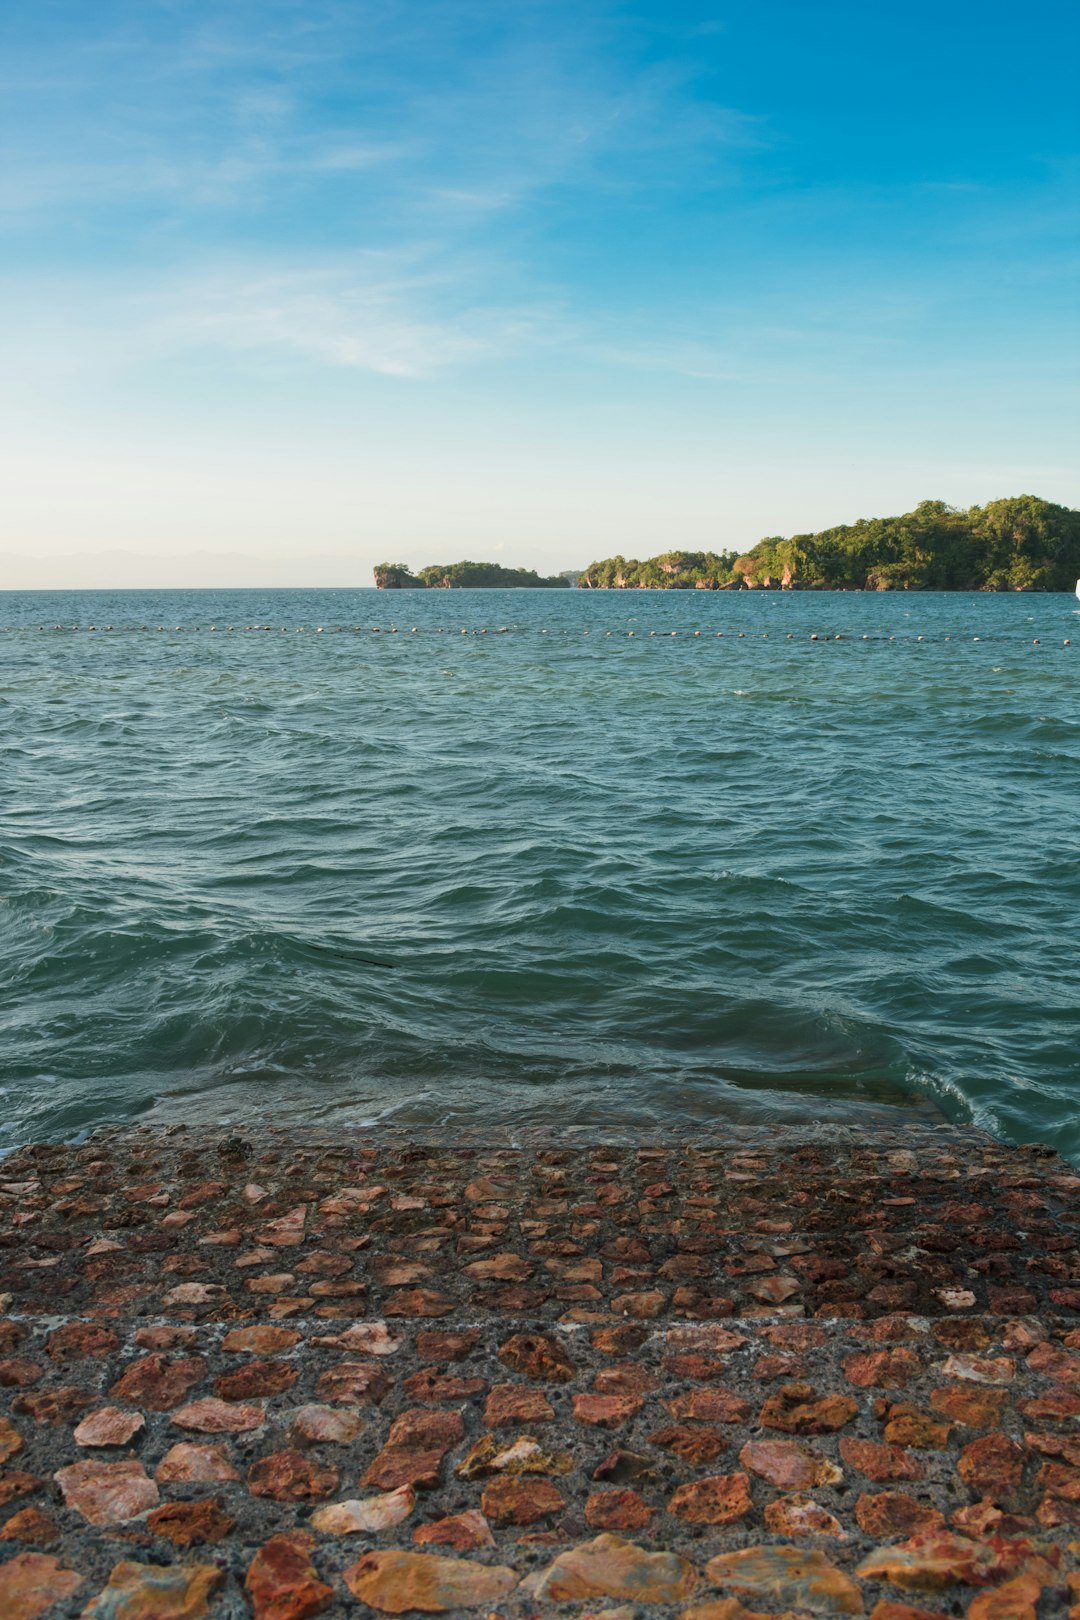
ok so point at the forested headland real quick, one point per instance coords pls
(1018, 544)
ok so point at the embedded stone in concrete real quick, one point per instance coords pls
(107, 1493)
(290, 1476)
(464, 1532)
(883, 1238)
(718, 1499)
(32, 1582)
(281, 1580)
(109, 1426)
(789, 1464)
(190, 1524)
(211, 1416)
(612, 1567)
(396, 1582)
(190, 1464)
(11, 1441)
(155, 1592)
(538, 1356)
(371, 1514)
(792, 1576)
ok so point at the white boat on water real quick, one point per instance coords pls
(1078, 590)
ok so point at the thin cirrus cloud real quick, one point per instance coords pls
(536, 240)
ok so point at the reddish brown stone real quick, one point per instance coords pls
(165, 1336)
(30, 1583)
(520, 1500)
(433, 1386)
(612, 1567)
(975, 1408)
(698, 1367)
(415, 1447)
(1050, 1362)
(1057, 1405)
(617, 1510)
(354, 1383)
(768, 1367)
(907, 1426)
(983, 1519)
(992, 1465)
(539, 1356)
(965, 1333)
(188, 1464)
(13, 1485)
(894, 1513)
(516, 1404)
(324, 1425)
(464, 1532)
(108, 1427)
(434, 1344)
(801, 1516)
(419, 1302)
(289, 1476)
(879, 1463)
(155, 1592)
(711, 1405)
(211, 1416)
(980, 1369)
(157, 1383)
(12, 1334)
(882, 1369)
(395, 1582)
(19, 1372)
(56, 1405)
(787, 1575)
(932, 1561)
(189, 1524)
(107, 1493)
(77, 1341)
(30, 1526)
(1015, 1600)
(11, 1441)
(798, 1409)
(262, 1339)
(695, 1443)
(625, 1379)
(789, 1465)
(281, 1580)
(255, 1380)
(606, 1411)
(621, 1340)
(716, 1499)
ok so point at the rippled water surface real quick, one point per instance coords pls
(563, 873)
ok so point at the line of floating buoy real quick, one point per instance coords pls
(501, 630)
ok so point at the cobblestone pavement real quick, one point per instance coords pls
(749, 1374)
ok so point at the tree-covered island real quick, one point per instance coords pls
(1018, 544)
(464, 575)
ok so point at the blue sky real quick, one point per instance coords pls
(341, 280)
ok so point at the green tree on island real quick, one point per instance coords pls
(1019, 544)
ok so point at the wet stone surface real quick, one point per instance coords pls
(362, 1373)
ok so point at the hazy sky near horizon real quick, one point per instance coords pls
(538, 281)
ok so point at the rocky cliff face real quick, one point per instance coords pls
(396, 577)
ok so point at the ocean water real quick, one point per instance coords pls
(524, 866)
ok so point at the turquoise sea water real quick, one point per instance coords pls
(561, 874)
